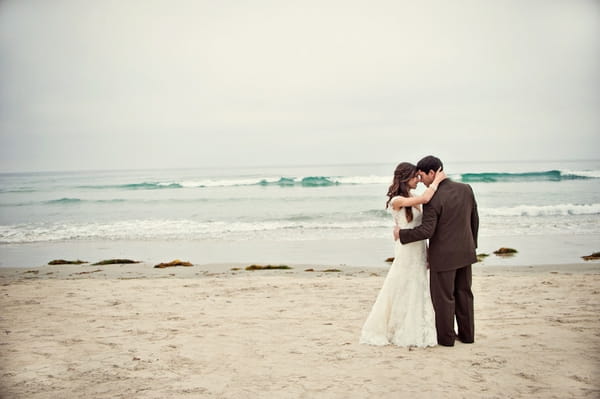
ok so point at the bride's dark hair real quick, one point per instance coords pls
(403, 173)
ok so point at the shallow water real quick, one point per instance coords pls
(305, 214)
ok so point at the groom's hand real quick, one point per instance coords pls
(396, 233)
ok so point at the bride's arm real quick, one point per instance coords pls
(400, 202)
(428, 194)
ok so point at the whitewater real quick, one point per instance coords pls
(318, 208)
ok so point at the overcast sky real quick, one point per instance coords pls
(173, 83)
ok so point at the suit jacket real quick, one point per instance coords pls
(450, 222)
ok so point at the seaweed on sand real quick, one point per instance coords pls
(66, 262)
(595, 255)
(115, 262)
(505, 251)
(267, 267)
(324, 271)
(481, 257)
(175, 262)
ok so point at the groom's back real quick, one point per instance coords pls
(454, 240)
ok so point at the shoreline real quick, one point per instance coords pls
(145, 270)
(372, 252)
(209, 331)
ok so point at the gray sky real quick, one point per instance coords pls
(175, 83)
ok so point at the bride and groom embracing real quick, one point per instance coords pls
(410, 309)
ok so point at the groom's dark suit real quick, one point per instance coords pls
(450, 222)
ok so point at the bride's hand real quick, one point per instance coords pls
(439, 176)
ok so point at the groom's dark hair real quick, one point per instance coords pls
(430, 163)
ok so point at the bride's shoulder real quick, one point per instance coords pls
(396, 200)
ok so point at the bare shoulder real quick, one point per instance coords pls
(397, 202)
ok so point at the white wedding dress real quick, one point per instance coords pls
(403, 314)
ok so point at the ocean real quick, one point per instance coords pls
(327, 214)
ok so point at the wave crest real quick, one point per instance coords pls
(549, 175)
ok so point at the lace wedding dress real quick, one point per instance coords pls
(403, 314)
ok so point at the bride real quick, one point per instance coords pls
(403, 313)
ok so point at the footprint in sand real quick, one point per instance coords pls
(490, 363)
(526, 376)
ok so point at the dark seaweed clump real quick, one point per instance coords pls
(595, 255)
(115, 262)
(175, 262)
(505, 251)
(66, 262)
(267, 267)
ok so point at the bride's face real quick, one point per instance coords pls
(412, 183)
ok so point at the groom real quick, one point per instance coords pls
(450, 222)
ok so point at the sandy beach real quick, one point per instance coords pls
(207, 331)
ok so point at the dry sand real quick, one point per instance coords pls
(208, 332)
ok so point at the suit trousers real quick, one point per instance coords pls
(452, 296)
